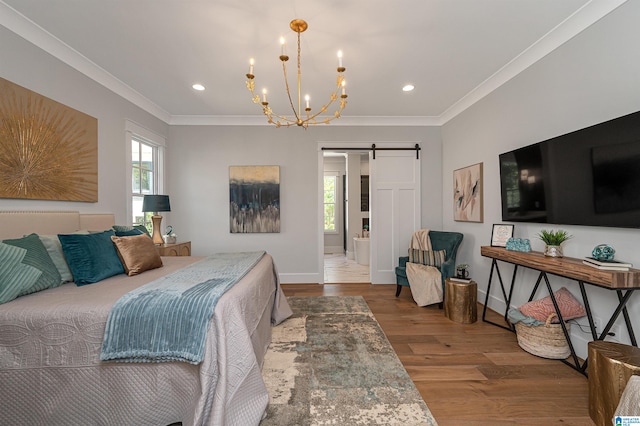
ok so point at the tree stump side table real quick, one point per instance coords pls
(611, 364)
(461, 301)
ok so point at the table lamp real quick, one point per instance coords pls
(155, 204)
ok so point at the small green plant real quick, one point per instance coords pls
(554, 238)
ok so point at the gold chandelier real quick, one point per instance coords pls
(309, 118)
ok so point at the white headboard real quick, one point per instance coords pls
(15, 224)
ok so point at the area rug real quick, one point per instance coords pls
(331, 364)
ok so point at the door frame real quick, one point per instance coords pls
(344, 147)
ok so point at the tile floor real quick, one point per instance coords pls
(339, 269)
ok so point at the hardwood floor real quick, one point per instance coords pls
(469, 374)
(339, 269)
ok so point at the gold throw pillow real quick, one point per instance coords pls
(137, 253)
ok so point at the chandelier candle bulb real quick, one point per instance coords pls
(344, 83)
(299, 26)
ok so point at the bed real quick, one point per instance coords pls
(50, 343)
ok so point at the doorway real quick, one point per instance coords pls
(339, 261)
(395, 204)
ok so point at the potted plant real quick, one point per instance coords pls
(553, 241)
(462, 270)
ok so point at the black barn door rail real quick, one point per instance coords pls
(373, 148)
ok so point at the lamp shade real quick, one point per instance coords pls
(156, 203)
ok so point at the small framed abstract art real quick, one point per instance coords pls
(500, 234)
(468, 194)
(254, 199)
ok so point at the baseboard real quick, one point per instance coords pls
(333, 250)
(312, 278)
(494, 303)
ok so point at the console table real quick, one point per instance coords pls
(623, 283)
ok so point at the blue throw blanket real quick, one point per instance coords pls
(167, 319)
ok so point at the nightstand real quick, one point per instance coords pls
(178, 249)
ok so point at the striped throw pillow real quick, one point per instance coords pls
(38, 257)
(15, 276)
(427, 257)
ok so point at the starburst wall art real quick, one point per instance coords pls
(48, 151)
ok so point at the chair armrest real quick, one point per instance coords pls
(403, 261)
(448, 269)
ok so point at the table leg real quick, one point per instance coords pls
(576, 361)
(535, 287)
(587, 308)
(486, 297)
(508, 299)
(494, 266)
(623, 298)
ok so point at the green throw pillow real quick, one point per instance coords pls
(38, 257)
(15, 276)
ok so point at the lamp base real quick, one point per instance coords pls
(156, 236)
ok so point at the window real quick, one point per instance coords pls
(330, 203)
(145, 154)
(143, 178)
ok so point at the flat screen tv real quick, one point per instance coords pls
(587, 177)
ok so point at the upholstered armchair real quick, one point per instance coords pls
(440, 240)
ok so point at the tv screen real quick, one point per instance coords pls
(588, 177)
(616, 178)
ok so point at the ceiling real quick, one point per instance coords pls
(151, 51)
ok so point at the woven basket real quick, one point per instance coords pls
(546, 341)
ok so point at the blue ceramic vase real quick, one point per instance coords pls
(603, 252)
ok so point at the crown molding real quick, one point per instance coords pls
(584, 17)
(573, 25)
(35, 34)
(261, 120)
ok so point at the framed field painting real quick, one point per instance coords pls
(468, 194)
(254, 198)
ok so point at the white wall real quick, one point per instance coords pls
(354, 215)
(334, 242)
(197, 164)
(28, 66)
(592, 78)
(199, 185)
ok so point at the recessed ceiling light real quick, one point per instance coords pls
(198, 86)
(408, 88)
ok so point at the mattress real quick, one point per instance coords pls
(51, 374)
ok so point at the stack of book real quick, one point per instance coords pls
(460, 280)
(607, 265)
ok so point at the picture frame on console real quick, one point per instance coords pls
(500, 234)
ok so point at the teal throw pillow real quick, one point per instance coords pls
(120, 229)
(130, 233)
(38, 257)
(15, 276)
(91, 257)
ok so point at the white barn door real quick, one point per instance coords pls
(395, 198)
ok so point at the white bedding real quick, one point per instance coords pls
(50, 372)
